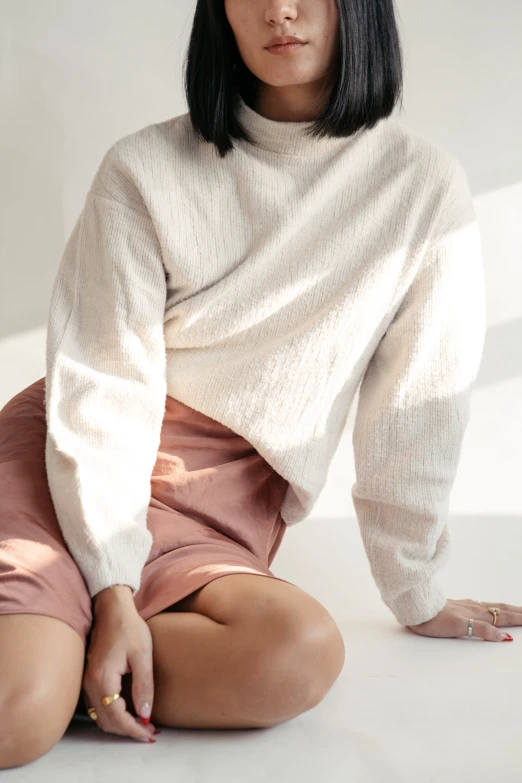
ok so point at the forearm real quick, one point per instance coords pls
(110, 597)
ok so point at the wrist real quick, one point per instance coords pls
(115, 595)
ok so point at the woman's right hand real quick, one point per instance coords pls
(121, 642)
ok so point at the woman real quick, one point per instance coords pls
(236, 274)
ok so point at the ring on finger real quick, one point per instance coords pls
(494, 610)
(91, 711)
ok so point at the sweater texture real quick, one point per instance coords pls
(264, 290)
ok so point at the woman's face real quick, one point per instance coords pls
(255, 22)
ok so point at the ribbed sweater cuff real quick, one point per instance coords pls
(102, 576)
(419, 604)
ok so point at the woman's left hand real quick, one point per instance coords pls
(452, 621)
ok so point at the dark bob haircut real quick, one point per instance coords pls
(367, 83)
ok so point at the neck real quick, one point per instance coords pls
(302, 105)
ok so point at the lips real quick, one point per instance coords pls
(284, 39)
(284, 48)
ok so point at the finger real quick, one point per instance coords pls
(114, 718)
(498, 605)
(506, 607)
(485, 631)
(505, 618)
(89, 703)
(141, 663)
(119, 721)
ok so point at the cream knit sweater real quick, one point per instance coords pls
(264, 289)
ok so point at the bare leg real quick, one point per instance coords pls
(41, 671)
(270, 652)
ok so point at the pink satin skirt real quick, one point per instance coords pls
(214, 510)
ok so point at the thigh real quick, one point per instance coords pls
(41, 665)
(242, 597)
(286, 622)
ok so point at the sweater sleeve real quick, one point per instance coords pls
(413, 410)
(106, 381)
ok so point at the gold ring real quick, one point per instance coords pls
(109, 699)
(91, 711)
(495, 612)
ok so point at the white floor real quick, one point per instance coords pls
(405, 708)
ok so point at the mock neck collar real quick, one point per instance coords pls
(288, 137)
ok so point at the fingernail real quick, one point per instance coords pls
(157, 731)
(146, 739)
(145, 710)
(506, 637)
(145, 721)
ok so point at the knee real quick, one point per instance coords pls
(325, 647)
(314, 648)
(301, 660)
(28, 730)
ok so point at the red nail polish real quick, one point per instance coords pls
(151, 740)
(508, 638)
(145, 721)
(157, 731)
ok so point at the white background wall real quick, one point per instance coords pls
(75, 75)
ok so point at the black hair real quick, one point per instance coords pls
(367, 83)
